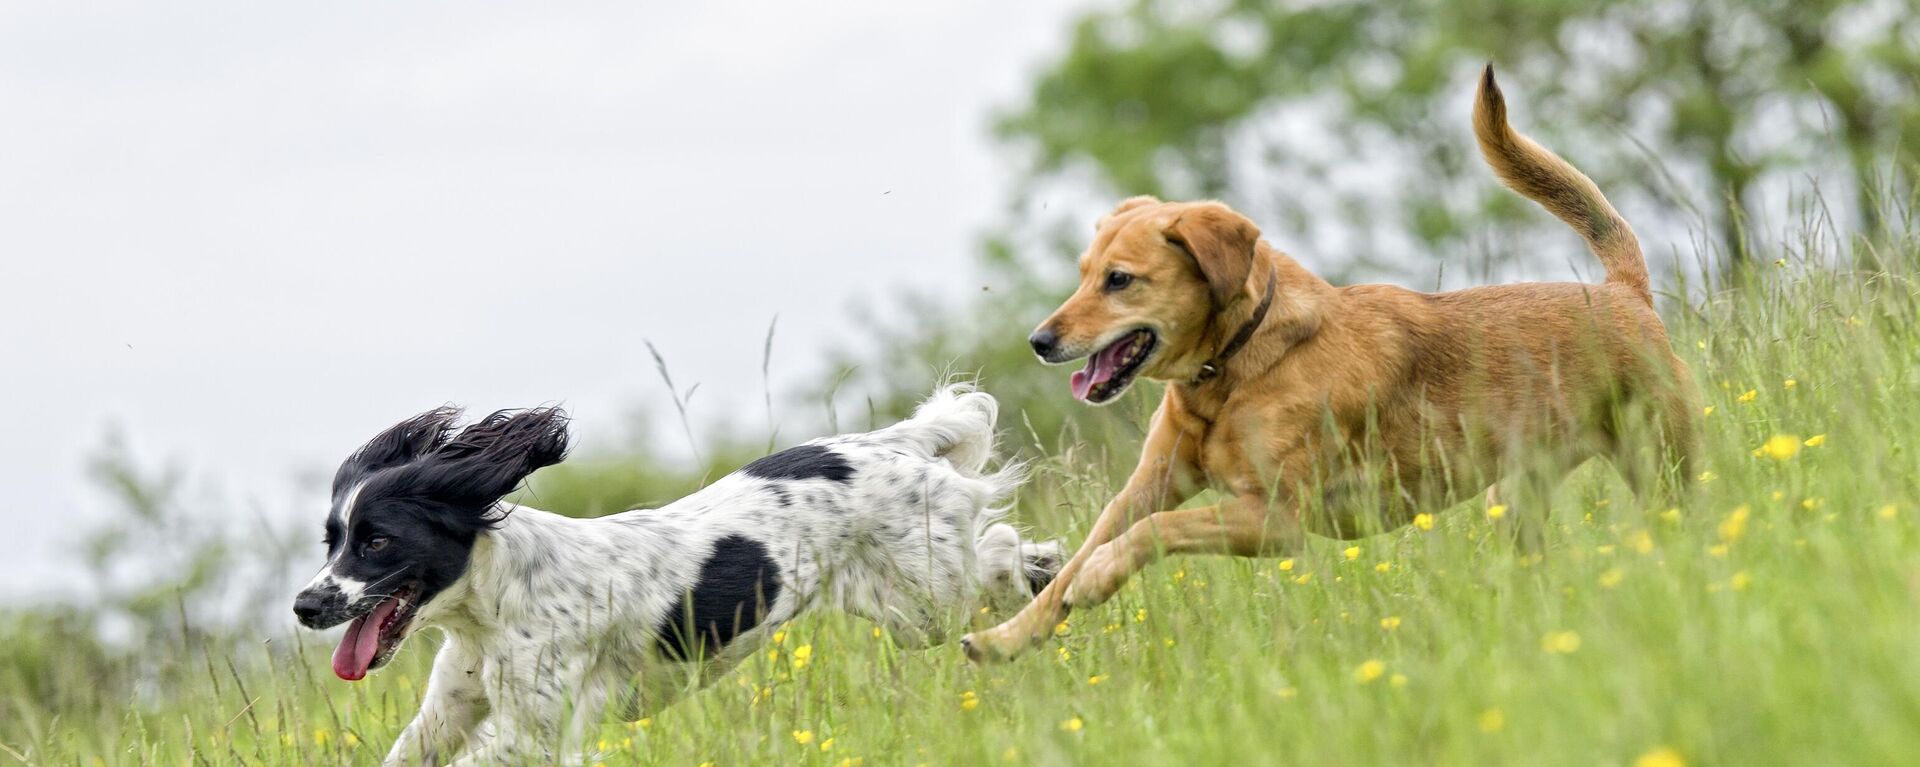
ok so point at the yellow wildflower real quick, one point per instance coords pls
(1749, 396)
(350, 739)
(779, 636)
(1612, 578)
(802, 655)
(1423, 521)
(1303, 578)
(1369, 671)
(1641, 541)
(1889, 511)
(1065, 654)
(1286, 565)
(1810, 503)
(1493, 720)
(1390, 622)
(1352, 552)
(969, 701)
(320, 737)
(803, 737)
(1740, 581)
(1779, 447)
(1096, 678)
(1735, 525)
(1062, 629)
(1660, 757)
(1383, 567)
(1496, 511)
(877, 632)
(1561, 642)
(826, 745)
(1706, 411)
(1140, 615)
(1708, 476)
(1073, 725)
(1815, 440)
(1789, 383)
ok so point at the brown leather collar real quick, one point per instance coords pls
(1212, 367)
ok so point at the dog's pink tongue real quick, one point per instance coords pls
(1100, 369)
(355, 654)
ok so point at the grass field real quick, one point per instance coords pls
(1775, 619)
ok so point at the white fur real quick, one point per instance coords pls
(556, 617)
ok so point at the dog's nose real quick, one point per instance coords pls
(308, 606)
(1044, 342)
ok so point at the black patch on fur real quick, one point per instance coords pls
(802, 462)
(737, 584)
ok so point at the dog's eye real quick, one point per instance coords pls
(1118, 281)
(376, 543)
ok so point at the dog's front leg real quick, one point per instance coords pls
(1246, 526)
(1169, 472)
(455, 703)
(544, 701)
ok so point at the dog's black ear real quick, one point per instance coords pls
(403, 443)
(1222, 242)
(487, 460)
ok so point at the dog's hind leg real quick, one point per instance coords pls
(1012, 570)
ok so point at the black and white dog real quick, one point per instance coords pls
(548, 619)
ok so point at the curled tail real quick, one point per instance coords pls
(956, 423)
(1541, 176)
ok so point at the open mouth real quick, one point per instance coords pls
(1110, 370)
(371, 638)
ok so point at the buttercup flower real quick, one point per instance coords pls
(1496, 511)
(1423, 521)
(1735, 525)
(1353, 552)
(1815, 440)
(1749, 396)
(1390, 622)
(1561, 642)
(1660, 757)
(1369, 671)
(803, 737)
(1779, 447)
(1073, 725)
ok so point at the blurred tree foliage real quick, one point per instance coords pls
(1153, 98)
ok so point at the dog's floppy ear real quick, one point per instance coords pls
(1221, 241)
(404, 442)
(1125, 205)
(487, 460)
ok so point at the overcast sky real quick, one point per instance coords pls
(252, 234)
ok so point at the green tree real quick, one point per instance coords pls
(1156, 98)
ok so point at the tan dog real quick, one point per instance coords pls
(1344, 411)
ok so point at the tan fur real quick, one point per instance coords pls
(1354, 408)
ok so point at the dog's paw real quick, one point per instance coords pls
(1001, 643)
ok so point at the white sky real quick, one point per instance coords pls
(253, 234)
